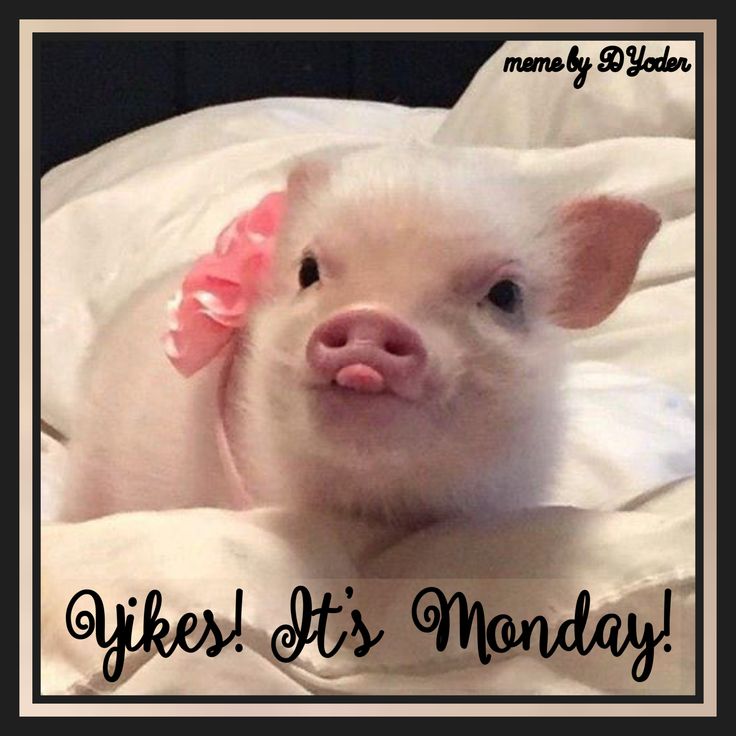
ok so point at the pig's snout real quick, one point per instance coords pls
(369, 351)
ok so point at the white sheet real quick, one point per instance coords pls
(157, 198)
(527, 565)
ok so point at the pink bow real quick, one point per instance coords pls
(214, 298)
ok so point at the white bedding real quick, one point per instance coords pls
(156, 198)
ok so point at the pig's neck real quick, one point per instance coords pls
(276, 472)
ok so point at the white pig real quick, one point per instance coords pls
(404, 362)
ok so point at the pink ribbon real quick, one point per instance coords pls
(217, 292)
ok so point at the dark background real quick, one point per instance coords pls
(96, 88)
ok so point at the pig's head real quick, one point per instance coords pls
(405, 361)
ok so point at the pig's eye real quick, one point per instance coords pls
(308, 272)
(505, 295)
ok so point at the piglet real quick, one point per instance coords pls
(400, 359)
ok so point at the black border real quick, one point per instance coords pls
(698, 697)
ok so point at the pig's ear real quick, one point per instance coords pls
(306, 175)
(602, 240)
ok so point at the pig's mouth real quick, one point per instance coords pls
(362, 379)
(347, 410)
(365, 382)
(365, 398)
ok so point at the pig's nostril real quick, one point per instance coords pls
(335, 340)
(398, 348)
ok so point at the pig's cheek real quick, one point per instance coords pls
(501, 358)
(275, 388)
(283, 372)
(277, 335)
(444, 362)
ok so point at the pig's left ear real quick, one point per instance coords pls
(602, 240)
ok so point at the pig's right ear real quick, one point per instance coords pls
(601, 242)
(305, 176)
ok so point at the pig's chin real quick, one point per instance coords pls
(346, 413)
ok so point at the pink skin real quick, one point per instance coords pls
(370, 352)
